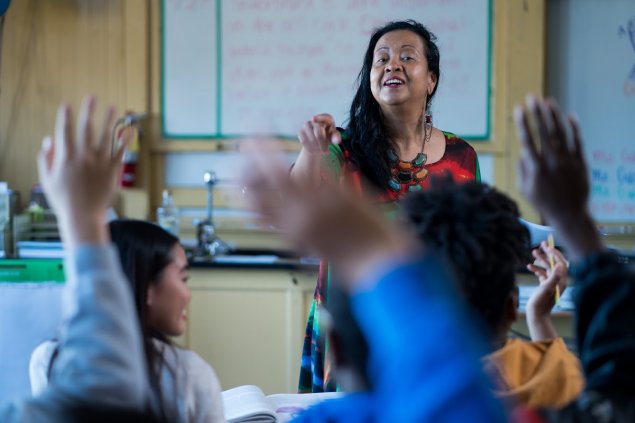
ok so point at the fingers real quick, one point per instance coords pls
(328, 122)
(540, 272)
(105, 138)
(524, 134)
(313, 137)
(308, 139)
(319, 132)
(336, 137)
(325, 119)
(544, 124)
(84, 135)
(560, 275)
(577, 138)
(561, 138)
(45, 160)
(542, 269)
(541, 254)
(64, 143)
(266, 172)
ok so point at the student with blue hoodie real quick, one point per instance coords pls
(424, 349)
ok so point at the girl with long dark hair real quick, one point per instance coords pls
(184, 387)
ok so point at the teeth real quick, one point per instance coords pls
(393, 81)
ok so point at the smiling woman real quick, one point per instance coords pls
(388, 149)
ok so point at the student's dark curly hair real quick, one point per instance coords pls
(368, 137)
(477, 230)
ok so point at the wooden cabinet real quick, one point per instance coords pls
(249, 324)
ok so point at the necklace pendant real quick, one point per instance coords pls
(394, 185)
(421, 174)
(404, 176)
(404, 166)
(413, 188)
(420, 159)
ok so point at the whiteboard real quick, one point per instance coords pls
(591, 71)
(244, 67)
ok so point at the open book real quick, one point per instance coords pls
(249, 404)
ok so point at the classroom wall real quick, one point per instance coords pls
(58, 50)
(517, 68)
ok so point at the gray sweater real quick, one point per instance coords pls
(190, 390)
(101, 360)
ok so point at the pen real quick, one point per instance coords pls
(552, 264)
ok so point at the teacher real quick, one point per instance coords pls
(388, 148)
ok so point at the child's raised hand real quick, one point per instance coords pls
(542, 301)
(553, 175)
(331, 222)
(552, 168)
(78, 172)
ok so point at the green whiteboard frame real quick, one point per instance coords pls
(219, 135)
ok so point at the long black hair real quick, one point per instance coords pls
(145, 250)
(368, 137)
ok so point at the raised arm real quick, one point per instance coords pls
(100, 363)
(396, 293)
(315, 137)
(539, 306)
(553, 174)
(555, 180)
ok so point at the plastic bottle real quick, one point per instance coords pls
(6, 221)
(168, 214)
(4, 204)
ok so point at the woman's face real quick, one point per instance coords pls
(169, 297)
(399, 74)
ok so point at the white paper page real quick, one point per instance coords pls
(245, 401)
(288, 406)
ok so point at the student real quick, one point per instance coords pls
(396, 291)
(101, 363)
(476, 229)
(389, 142)
(184, 387)
(555, 180)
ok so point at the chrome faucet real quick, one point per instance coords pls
(209, 244)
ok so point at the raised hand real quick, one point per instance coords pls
(315, 137)
(552, 172)
(330, 222)
(542, 301)
(316, 134)
(79, 174)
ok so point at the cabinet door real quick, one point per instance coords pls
(249, 325)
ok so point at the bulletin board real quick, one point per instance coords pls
(246, 67)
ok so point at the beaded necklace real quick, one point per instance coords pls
(407, 176)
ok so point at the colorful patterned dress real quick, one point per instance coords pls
(459, 160)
